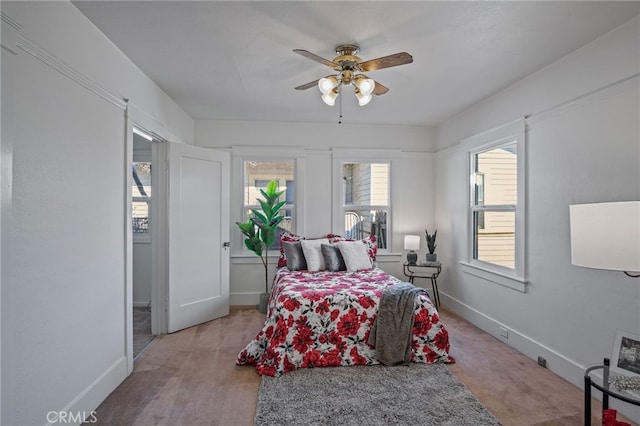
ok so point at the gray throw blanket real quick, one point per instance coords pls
(392, 330)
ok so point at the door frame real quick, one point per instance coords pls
(159, 239)
(159, 278)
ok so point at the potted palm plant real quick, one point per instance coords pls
(260, 232)
(431, 245)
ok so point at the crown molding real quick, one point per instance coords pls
(42, 55)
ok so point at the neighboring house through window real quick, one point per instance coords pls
(364, 191)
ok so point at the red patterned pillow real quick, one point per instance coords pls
(369, 242)
(286, 237)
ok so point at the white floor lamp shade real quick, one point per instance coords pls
(606, 235)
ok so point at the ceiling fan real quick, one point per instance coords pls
(350, 70)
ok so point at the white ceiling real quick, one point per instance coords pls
(234, 60)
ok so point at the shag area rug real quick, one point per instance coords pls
(418, 394)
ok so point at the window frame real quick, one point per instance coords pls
(342, 156)
(515, 278)
(278, 155)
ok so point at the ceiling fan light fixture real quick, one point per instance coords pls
(327, 84)
(365, 85)
(351, 69)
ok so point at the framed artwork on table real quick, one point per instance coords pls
(625, 359)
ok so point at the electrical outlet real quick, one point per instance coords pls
(542, 362)
(504, 332)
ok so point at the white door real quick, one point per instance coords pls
(198, 235)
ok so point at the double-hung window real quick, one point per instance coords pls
(362, 187)
(496, 208)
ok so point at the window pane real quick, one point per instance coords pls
(359, 224)
(141, 179)
(140, 217)
(141, 193)
(497, 176)
(494, 236)
(366, 196)
(258, 174)
(366, 184)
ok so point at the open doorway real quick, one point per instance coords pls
(141, 215)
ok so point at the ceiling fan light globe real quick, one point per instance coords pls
(330, 98)
(327, 84)
(363, 99)
(366, 85)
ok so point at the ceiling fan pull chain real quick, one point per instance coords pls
(340, 118)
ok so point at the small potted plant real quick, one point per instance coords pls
(260, 232)
(431, 245)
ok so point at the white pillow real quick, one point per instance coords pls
(355, 255)
(312, 250)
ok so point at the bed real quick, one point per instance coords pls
(322, 318)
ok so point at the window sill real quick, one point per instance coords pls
(388, 257)
(510, 281)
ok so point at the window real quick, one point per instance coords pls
(494, 206)
(365, 202)
(257, 174)
(496, 213)
(141, 199)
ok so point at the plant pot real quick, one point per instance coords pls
(432, 257)
(264, 301)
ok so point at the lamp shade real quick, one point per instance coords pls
(606, 235)
(363, 99)
(411, 242)
(366, 85)
(330, 98)
(326, 84)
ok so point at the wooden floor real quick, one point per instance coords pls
(190, 378)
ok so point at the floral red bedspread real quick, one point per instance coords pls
(322, 319)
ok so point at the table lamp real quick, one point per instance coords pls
(412, 243)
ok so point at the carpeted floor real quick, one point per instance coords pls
(425, 394)
(141, 329)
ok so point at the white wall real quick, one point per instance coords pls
(412, 182)
(63, 302)
(587, 150)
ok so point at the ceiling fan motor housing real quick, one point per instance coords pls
(347, 59)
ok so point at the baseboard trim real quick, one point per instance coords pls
(559, 364)
(556, 362)
(244, 299)
(92, 396)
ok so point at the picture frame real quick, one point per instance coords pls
(625, 359)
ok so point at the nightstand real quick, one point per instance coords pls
(602, 384)
(427, 270)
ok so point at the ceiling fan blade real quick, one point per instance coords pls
(387, 62)
(309, 85)
(380, 89)
(316, 58)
